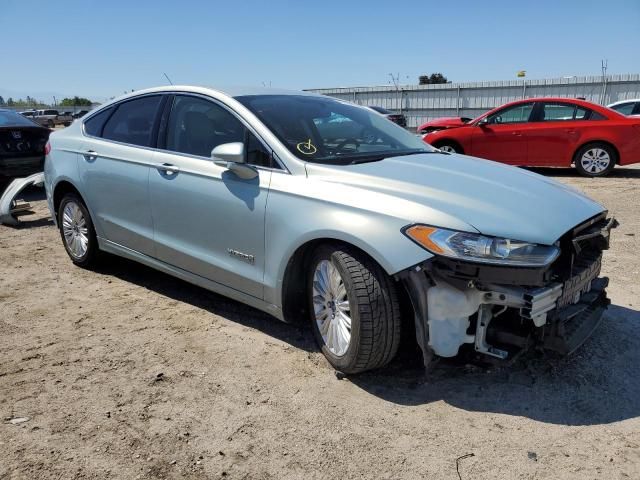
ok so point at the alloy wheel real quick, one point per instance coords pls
(595, 160)
(447, 149)
(331, 308)
(75, 230)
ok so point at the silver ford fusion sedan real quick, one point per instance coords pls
(308, 207)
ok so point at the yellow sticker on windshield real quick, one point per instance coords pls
(307, 148)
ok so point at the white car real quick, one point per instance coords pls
(627, 107)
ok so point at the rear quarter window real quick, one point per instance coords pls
(94, 125)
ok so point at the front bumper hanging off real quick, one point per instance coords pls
(453, 308)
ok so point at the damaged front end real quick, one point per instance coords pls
(501, 310)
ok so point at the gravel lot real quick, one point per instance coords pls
(129, 373)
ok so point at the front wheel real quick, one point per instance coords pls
(595, 160)
(77, 232)
(355, 312)
(449, 147)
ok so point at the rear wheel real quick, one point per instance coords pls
(77, 232)
(355, 312)
(50, 124)
(595, 160)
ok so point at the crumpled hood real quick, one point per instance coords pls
(448, 122)
(492, 198)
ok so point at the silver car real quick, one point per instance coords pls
(311, 208)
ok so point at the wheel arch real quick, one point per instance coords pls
(60, 190)
(590, 142)
(448, 140)
(293, 290)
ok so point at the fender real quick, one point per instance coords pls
(8, 211)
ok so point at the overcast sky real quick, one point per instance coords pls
(99, 49)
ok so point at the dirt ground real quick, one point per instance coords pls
(128, 373)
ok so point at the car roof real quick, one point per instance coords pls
(230, 91)
(577, 101)
(629, 100)
(607, 112)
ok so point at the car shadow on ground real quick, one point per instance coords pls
(176, 289)
(598, 384)
(618, 172)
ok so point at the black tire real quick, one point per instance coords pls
(90, 258)
(613, 159)
(448, 146)
(374, 310)
(51, 124)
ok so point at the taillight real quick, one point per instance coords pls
(47, 148)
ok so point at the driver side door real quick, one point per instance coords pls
(503, 137)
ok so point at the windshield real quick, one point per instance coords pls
(326, 130)
(13, 119)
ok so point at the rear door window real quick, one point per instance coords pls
(133, 121)
(561, 112)
(554, 112)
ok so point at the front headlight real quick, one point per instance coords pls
(479, 248)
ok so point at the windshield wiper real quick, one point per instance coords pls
(381, 156)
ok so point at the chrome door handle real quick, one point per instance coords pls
(516, 133)
(90, 155)
(168, 168)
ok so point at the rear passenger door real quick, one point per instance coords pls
(207, 220)
(557, 131)
(114, 169)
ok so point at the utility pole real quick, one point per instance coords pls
(396, 84)
(603, 65)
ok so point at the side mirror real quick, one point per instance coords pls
(483, 122)
(231, 156)
(228, 152)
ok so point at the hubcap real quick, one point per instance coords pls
(331, 308)
(595, 160)
(74, 229)
(447, 148)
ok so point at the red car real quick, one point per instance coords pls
(549, 132)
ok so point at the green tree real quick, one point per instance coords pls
(2, 102)
(431, 79)
(75, 101)
(11, 103)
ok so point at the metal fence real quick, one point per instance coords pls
(420, 103)
(60, 109)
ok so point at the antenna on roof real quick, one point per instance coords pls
(167, 77)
